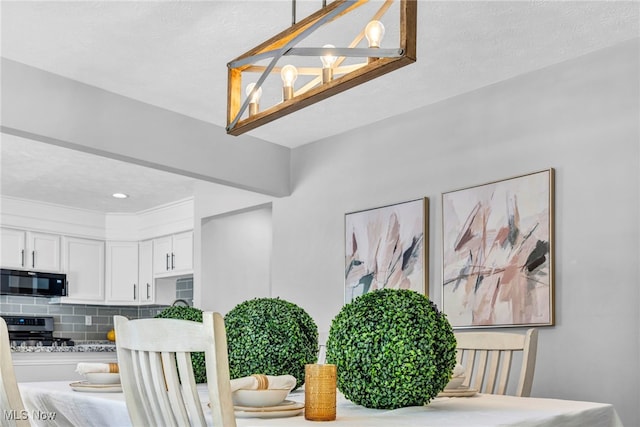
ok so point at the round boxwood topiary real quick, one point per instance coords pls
(393, 348)
(270, 336)
(194, 314)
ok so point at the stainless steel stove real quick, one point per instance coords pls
(33, 331)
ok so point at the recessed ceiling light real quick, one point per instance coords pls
(120, 195)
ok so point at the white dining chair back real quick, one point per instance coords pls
(10, 399)
(488, 358)
(154, 358)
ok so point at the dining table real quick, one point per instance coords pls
(56, 403)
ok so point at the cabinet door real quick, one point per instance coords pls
(13, 248)
(145, 272)
(162, 255)
(84, 266)
(45, 251)
(182, 255)
(122, 272)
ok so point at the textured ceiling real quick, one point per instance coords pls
(173, 54)
(45, 172)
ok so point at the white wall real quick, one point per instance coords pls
(579, 117)
(207, 205)
(236, 258)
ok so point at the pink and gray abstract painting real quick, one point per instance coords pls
(497, 243)
(384, 248)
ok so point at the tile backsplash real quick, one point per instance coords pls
(69, 319)
(184, 290)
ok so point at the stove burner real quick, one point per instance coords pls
(33, 331)
(43, 342)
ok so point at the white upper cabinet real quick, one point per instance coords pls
(30, 250)
(95, 251)
(145, 272)
(173, 255)
(84, 266)
(162, 250)
(14, 245)
(45, 251)
(182, 253)
(122, 273)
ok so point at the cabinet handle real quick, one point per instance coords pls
(148, 286)
(173, 257)
(22, 257)
(33, 259)
(167, 262)
(134, 291)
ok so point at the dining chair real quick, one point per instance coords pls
(154, 358)
(9, 393)
(488, 358)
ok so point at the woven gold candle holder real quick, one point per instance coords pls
(320, 392)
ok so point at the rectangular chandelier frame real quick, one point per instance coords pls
(283, 44)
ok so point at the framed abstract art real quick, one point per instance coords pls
(387, 247)
(497, 255)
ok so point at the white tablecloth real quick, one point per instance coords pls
(82, 409)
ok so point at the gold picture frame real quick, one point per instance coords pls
(387, 247)
(498, 253)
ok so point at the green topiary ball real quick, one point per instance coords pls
(393, 348)
(270, 336)
(194, 314)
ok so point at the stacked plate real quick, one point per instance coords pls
(268, 403)
(99, 382)
(462, 391)
(286, 408)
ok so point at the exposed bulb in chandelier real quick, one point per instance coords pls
(327, 65)
(289, 74)
(374, 31)
(328, 60)
(254, 98)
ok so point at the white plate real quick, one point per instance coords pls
(96, 388)
(287, 408)
(274, 414)
(282, 406)
(458, 392)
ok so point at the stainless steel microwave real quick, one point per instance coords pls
(32, 283)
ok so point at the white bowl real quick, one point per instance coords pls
(454, 383)
(259, 398)
(102, 378)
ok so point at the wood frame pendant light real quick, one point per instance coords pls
(381, 61)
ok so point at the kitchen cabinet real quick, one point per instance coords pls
(145, 272)
(173, 255)
(121, 274)
(84, 266)
(13, 247)
(30, 250)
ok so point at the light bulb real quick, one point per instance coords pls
(328, 60)
(289, 75)
(327, 65)
(374, 31)
(253, 99)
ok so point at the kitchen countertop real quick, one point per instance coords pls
(80, 347)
